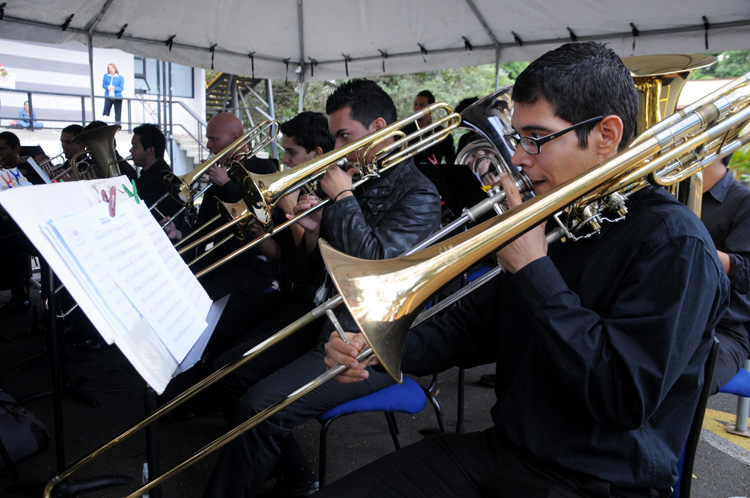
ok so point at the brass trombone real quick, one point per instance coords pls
(180, 187)
(495, 197)
(261, 192)
(708, 129)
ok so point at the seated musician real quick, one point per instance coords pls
(725, 210)
(14, 246)
(248, 321)
(381, 219)
(599, 344)
(147, 150)
(250, 273)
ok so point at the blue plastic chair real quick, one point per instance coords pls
(739, 385)
(408, 397)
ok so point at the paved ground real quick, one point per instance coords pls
(105, 378)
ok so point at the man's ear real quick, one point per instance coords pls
(317, 152)
(608, 135)
(378, 124)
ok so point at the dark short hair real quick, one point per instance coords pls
(73, 129)
(94, 124)
(151, 136)
(582, 81)
(309, 130)
(465, 103)
(366, 100)
(725, 160)
(428, 94)
(10, 139)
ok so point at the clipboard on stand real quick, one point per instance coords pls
(121, 269)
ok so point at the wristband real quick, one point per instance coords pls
(337, 195)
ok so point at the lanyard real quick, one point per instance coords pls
(8, 181)
(16, 176)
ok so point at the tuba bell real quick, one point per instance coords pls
(99, 143)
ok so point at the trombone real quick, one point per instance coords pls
(495, 197)
(707, 129)
(261, 192)
(180, 187)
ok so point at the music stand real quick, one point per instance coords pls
(459, 188)
(31, 151)
(457, 184)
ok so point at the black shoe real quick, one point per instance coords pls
(487, 380)
(291, 487)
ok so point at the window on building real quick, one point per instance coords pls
(149, 78)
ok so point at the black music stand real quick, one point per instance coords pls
(457, 184)
(459, 188)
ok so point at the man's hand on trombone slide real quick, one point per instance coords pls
(339, 352)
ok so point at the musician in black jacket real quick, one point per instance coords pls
(147, 150)
(381, 219)
(600, 343)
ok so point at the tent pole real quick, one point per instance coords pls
(302, 94)
(272, 113)
(497, 68)
(91, 74)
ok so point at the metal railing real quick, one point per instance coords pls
(195, 130)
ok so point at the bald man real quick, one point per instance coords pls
(250, 272)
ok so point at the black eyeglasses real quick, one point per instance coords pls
(534, 145)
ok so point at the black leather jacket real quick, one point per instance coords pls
(386, 217)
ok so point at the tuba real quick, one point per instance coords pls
(100, 145)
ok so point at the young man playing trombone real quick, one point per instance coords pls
(381, 219)
(599, 343)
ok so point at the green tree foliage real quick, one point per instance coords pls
(448, 85)
(731, 64)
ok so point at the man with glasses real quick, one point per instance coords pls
(599, 344)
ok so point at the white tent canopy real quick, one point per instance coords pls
(309, 40)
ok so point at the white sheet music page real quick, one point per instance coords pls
(117, 255)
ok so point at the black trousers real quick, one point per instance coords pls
(108, 103)
(245, 464)
(472, 465)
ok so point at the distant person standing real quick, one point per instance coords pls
(113, 84)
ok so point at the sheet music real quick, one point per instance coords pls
(130, 276)
(103, 289)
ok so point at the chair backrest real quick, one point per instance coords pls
(685, 467)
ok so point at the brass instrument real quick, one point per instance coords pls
(180, 187)
(49, 166)
(384, 296)
(100, 144)
(261, 192)
(495, 197)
